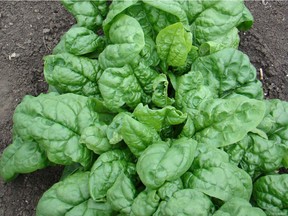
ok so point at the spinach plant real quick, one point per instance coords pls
(153, 111)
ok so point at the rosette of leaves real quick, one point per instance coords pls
(154, 111)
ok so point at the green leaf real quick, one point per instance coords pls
(159, 118)
(145, 76)
(137, 136)
(116, 8)
(113, 130)
(229, 40)
(211, 20)
(229, 72)
(127, 38)
(145, 204)
(92, 208)
(70, 74)
(275, 124)
(105, 171)
(191, 90)
(238, 207)
(21, 157)
(271, 194)
(122, 194)
(237, 150)
(221, 122)
(173, 44)
(160, 95)
(262, 156)
(187, 202)
(80, 41)
(89, 14)
(95, 138)
(167, 190)
(119, 86)
(212, 174)
(160, 163)
(63, 196)
(173, 8)
(56, 122)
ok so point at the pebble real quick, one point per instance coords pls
(46, 30)
(13, 55)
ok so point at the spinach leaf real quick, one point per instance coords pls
(127, 38)
(56, 123)
(63, 196)
(186, 202)
(160, 163)
(106, 170)
(71, 74)
(212, 174)
(238, 207)
(89, 14)
(137, 136)
(270, 194)
(173, 44)
(21, 157)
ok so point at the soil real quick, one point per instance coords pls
(29, 31)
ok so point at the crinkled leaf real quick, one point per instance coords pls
(65, 195)
(127, 41)
(145, 204)
(271, 194)
(149, 52)
(191, 91)
(159, 118)
(137, 136)
(237, 150)
(221, 122)
(262, 156)
(166, 191)
(56, 122)
(212, 174)
(211, 20)
(160, 95)
(187, 202)
(173, 7)
(275, 124)
(89, 14)
(116, 8)
(95, 138)
(119, 86)
(105, 171)
(173, 44)
(209, 156)
(70, 74)
(80, 41)
(91, 208)
(188, 129)
(276, 116)
(122, 194)
(145, 76)
(160, 163)
(238, 207)
(229, 72)
(229, 40)
(140, 12)
(21, 157)
(113, 130)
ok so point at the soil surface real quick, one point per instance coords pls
(30, 30)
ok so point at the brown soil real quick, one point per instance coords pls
(29, 30)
